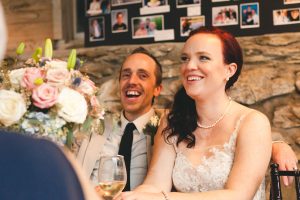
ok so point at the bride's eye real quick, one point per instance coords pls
(184, 59)
(203, 58)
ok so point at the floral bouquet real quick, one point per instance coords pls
(49, 98)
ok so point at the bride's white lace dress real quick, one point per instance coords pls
(212, 172)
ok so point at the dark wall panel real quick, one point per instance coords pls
(172, 21)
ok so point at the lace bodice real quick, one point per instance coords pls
(212, 173)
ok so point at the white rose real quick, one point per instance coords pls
(15, 77)
(57, 64)
(72, 106)
(12, 107)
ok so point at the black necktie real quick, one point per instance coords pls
(125, 150)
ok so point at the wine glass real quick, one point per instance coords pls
(112, 176)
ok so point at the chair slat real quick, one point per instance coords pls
(275, 189)
(297, 186)
(275, 183)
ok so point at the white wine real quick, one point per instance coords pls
(110, 189)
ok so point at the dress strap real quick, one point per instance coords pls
(174, 143)
(232, 140)
(239, 122)
(237, 127)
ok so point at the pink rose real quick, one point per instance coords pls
(96, 108)
(87, 87)
(58, 76)
(94, 102)
(30, 75)
(44, 96)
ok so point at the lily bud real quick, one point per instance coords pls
(48, 48)
(20, 49)
(72, 59)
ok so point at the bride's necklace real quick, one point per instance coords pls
(218, 120)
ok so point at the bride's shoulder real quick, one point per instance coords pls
(255, 116)
(247, 112)
(251, 117)
(254, 124)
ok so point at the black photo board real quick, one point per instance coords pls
(102, 28)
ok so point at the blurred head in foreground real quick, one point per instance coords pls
(3, 36)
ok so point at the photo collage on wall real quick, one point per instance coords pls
(246, 15)
(138, 19)
(146, 21)
(289, 15)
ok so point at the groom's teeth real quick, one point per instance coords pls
(132, 93)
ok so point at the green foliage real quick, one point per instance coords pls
(69, 137)
(87, 124)
(37, 54)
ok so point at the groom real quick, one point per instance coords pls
(139, 82)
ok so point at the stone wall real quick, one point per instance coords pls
(270, 81)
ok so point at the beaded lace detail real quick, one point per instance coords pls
(212, 172)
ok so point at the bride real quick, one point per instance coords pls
(209, 146)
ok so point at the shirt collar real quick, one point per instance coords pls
(139, 123)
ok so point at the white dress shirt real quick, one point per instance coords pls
(139, 166)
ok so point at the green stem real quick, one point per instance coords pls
(69, 138)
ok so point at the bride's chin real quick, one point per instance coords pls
(191, 93)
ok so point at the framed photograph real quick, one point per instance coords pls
(249, 15)
(187, 3)
(124, 2)
(154, 6)
(154, 3)
(96, 29)
(219, 0)
(144, 27)
(291, 1)
(225, 15)
(187, 24)
(119, 21)
(222, 0)
(286, 16)
(97, 7)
